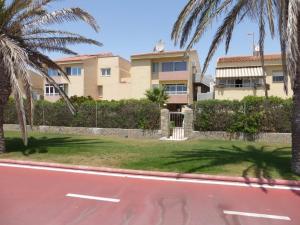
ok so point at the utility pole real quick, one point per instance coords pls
(253, 41)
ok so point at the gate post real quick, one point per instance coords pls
(188, 122)
(165, 122)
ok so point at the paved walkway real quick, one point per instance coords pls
(50, 196)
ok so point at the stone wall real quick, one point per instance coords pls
(273, 138)
(126, 133)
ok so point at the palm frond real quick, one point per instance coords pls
(206, 19)
(48, 48)
(226, 26)
(282, 9)
(270, 13)
(15, 60)
(262, 34)
(12, 10)
(64, 15)
(37, 32)
(177, 28)
(60, 41)
(293, 54)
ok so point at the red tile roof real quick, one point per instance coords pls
(83, 57)
(248, 58)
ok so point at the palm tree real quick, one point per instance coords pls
(157, 95)
(25, 36)
(198, 15)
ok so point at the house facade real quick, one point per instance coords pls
(176, 71)
(110, 77)
(101, 76)
(241, 76)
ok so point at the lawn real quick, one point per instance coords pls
(208, 157)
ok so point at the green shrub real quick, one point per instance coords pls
(250, 115)
(10, 113)
(127, 114)
(215, 115)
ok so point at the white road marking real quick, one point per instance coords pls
(267, 216)
(181, 180)
(93, 198)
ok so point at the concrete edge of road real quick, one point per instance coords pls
(158, 174)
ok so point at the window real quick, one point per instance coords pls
(176, 89)
(106, 72)
(278, 77)
(155, 67)
(68, 70)
(174, 66)
(167, 66)
(50, 90)
(52, 72)
(240, 82)
(246, 82)
(73, 71)
(180, 66)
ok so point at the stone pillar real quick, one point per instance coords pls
(165, 122)
(188, 122)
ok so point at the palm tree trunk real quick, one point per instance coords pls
(265, 85)
(2, 142)
(5, 91)
(296, 126)
(296, 119)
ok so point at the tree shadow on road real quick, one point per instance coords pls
(261, 162)
(42, 144)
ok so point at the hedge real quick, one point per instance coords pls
(126, 114)
(251, 115)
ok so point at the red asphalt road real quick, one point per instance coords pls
(38, 197)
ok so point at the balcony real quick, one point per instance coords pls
(178, 99)
(174, 75)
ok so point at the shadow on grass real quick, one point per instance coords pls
(42, 144)
(261, 162)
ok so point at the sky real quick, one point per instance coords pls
(134, 26)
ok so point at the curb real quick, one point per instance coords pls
(261, 181)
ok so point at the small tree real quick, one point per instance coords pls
(157, 95)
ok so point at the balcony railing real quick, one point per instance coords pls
(176, 92)
(239, 85)
(178, 99)
(177, 75)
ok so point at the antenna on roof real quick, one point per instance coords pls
(160, 46)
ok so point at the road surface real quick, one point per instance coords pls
(48, 196)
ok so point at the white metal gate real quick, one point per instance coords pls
(176, 126)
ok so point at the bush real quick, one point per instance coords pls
(251, 115)
(215, 115)
(127, 114)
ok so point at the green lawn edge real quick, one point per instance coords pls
(214, 157)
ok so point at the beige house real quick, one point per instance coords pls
(175, 70)
(101, 76)
(110, 77)
(240, 76)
